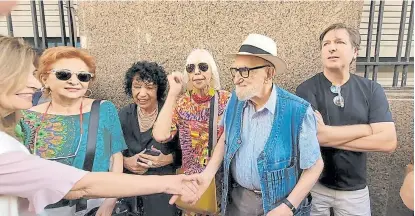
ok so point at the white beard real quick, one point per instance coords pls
(247, 93)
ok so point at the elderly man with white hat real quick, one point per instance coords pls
(269, 147)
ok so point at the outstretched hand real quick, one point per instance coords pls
(200, 181)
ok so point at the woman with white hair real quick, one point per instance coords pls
(189, 114)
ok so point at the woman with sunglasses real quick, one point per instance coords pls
(189, 114)
(29, 183)
(58, 130)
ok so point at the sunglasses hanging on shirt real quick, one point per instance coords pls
(338, 100)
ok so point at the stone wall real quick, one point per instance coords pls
(120, 33)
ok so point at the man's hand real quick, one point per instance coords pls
(156, 161)
(107, 207)
(203, 181)
(281, 210)
(134, 165)
(181, 185)
(176, 83)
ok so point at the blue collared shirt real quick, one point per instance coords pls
(256, 127)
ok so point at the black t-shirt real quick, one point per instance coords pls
(364, 103)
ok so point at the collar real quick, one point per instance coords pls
(270, 104)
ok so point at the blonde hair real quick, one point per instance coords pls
(16, 58)
(202, 54)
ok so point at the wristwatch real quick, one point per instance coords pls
(290, 205)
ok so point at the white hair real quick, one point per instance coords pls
(202, 55)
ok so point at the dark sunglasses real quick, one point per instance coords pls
(338, 100)
(244, 71)
(65, 74)
(190, 68)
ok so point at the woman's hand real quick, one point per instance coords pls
(156, 161)
(134, 165)
(107, 207)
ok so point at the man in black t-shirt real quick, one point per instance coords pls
(353, 118)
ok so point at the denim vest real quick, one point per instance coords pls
(278, 163)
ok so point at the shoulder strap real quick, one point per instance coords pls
(92, 135)
(213, 123)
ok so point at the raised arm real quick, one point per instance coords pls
(162, 126)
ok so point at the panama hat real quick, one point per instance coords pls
(263, 47)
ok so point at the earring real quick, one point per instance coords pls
(86, 93)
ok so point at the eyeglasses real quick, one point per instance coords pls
(35, 147)
(338, 100)
(72, 155)
(65, 75)
(244, 71)
(190, 68)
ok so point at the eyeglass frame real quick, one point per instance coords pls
(246, 68)
(34, 152)
(198, 67)
(54, 71)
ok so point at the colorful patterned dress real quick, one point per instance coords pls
(60, 139)
(191, 119)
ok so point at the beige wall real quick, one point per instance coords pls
(120, 33)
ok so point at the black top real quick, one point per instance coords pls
(364, 103)
(138, 141)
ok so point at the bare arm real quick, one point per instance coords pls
(217, 158)
(117, 161)
(116, 166)
(306, 182)
(383, 139)
(331, 136)
(407, 189)
(106, 185)
(205, 178)
(162, 126)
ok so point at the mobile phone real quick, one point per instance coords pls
(151, 152)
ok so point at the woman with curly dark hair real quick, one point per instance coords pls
(146, 83)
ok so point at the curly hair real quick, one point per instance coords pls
(148, 72)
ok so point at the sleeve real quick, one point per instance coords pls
(222, 120)
(42, 182)
(308, 142)
(176, 151)
(305, 92)
(379, 106)
(117, 137)
(174, 122)
(122, 117)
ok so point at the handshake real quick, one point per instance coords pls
(187, 188)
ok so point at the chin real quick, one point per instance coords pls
(242, 96)
(23, 104)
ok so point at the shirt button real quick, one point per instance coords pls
(239, 141)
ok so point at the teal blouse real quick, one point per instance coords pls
(59, 137)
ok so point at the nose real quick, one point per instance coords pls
(197, 71)
(74, 79)
(33, 83)
(332, 47)
(237, 79)
(142, 92)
